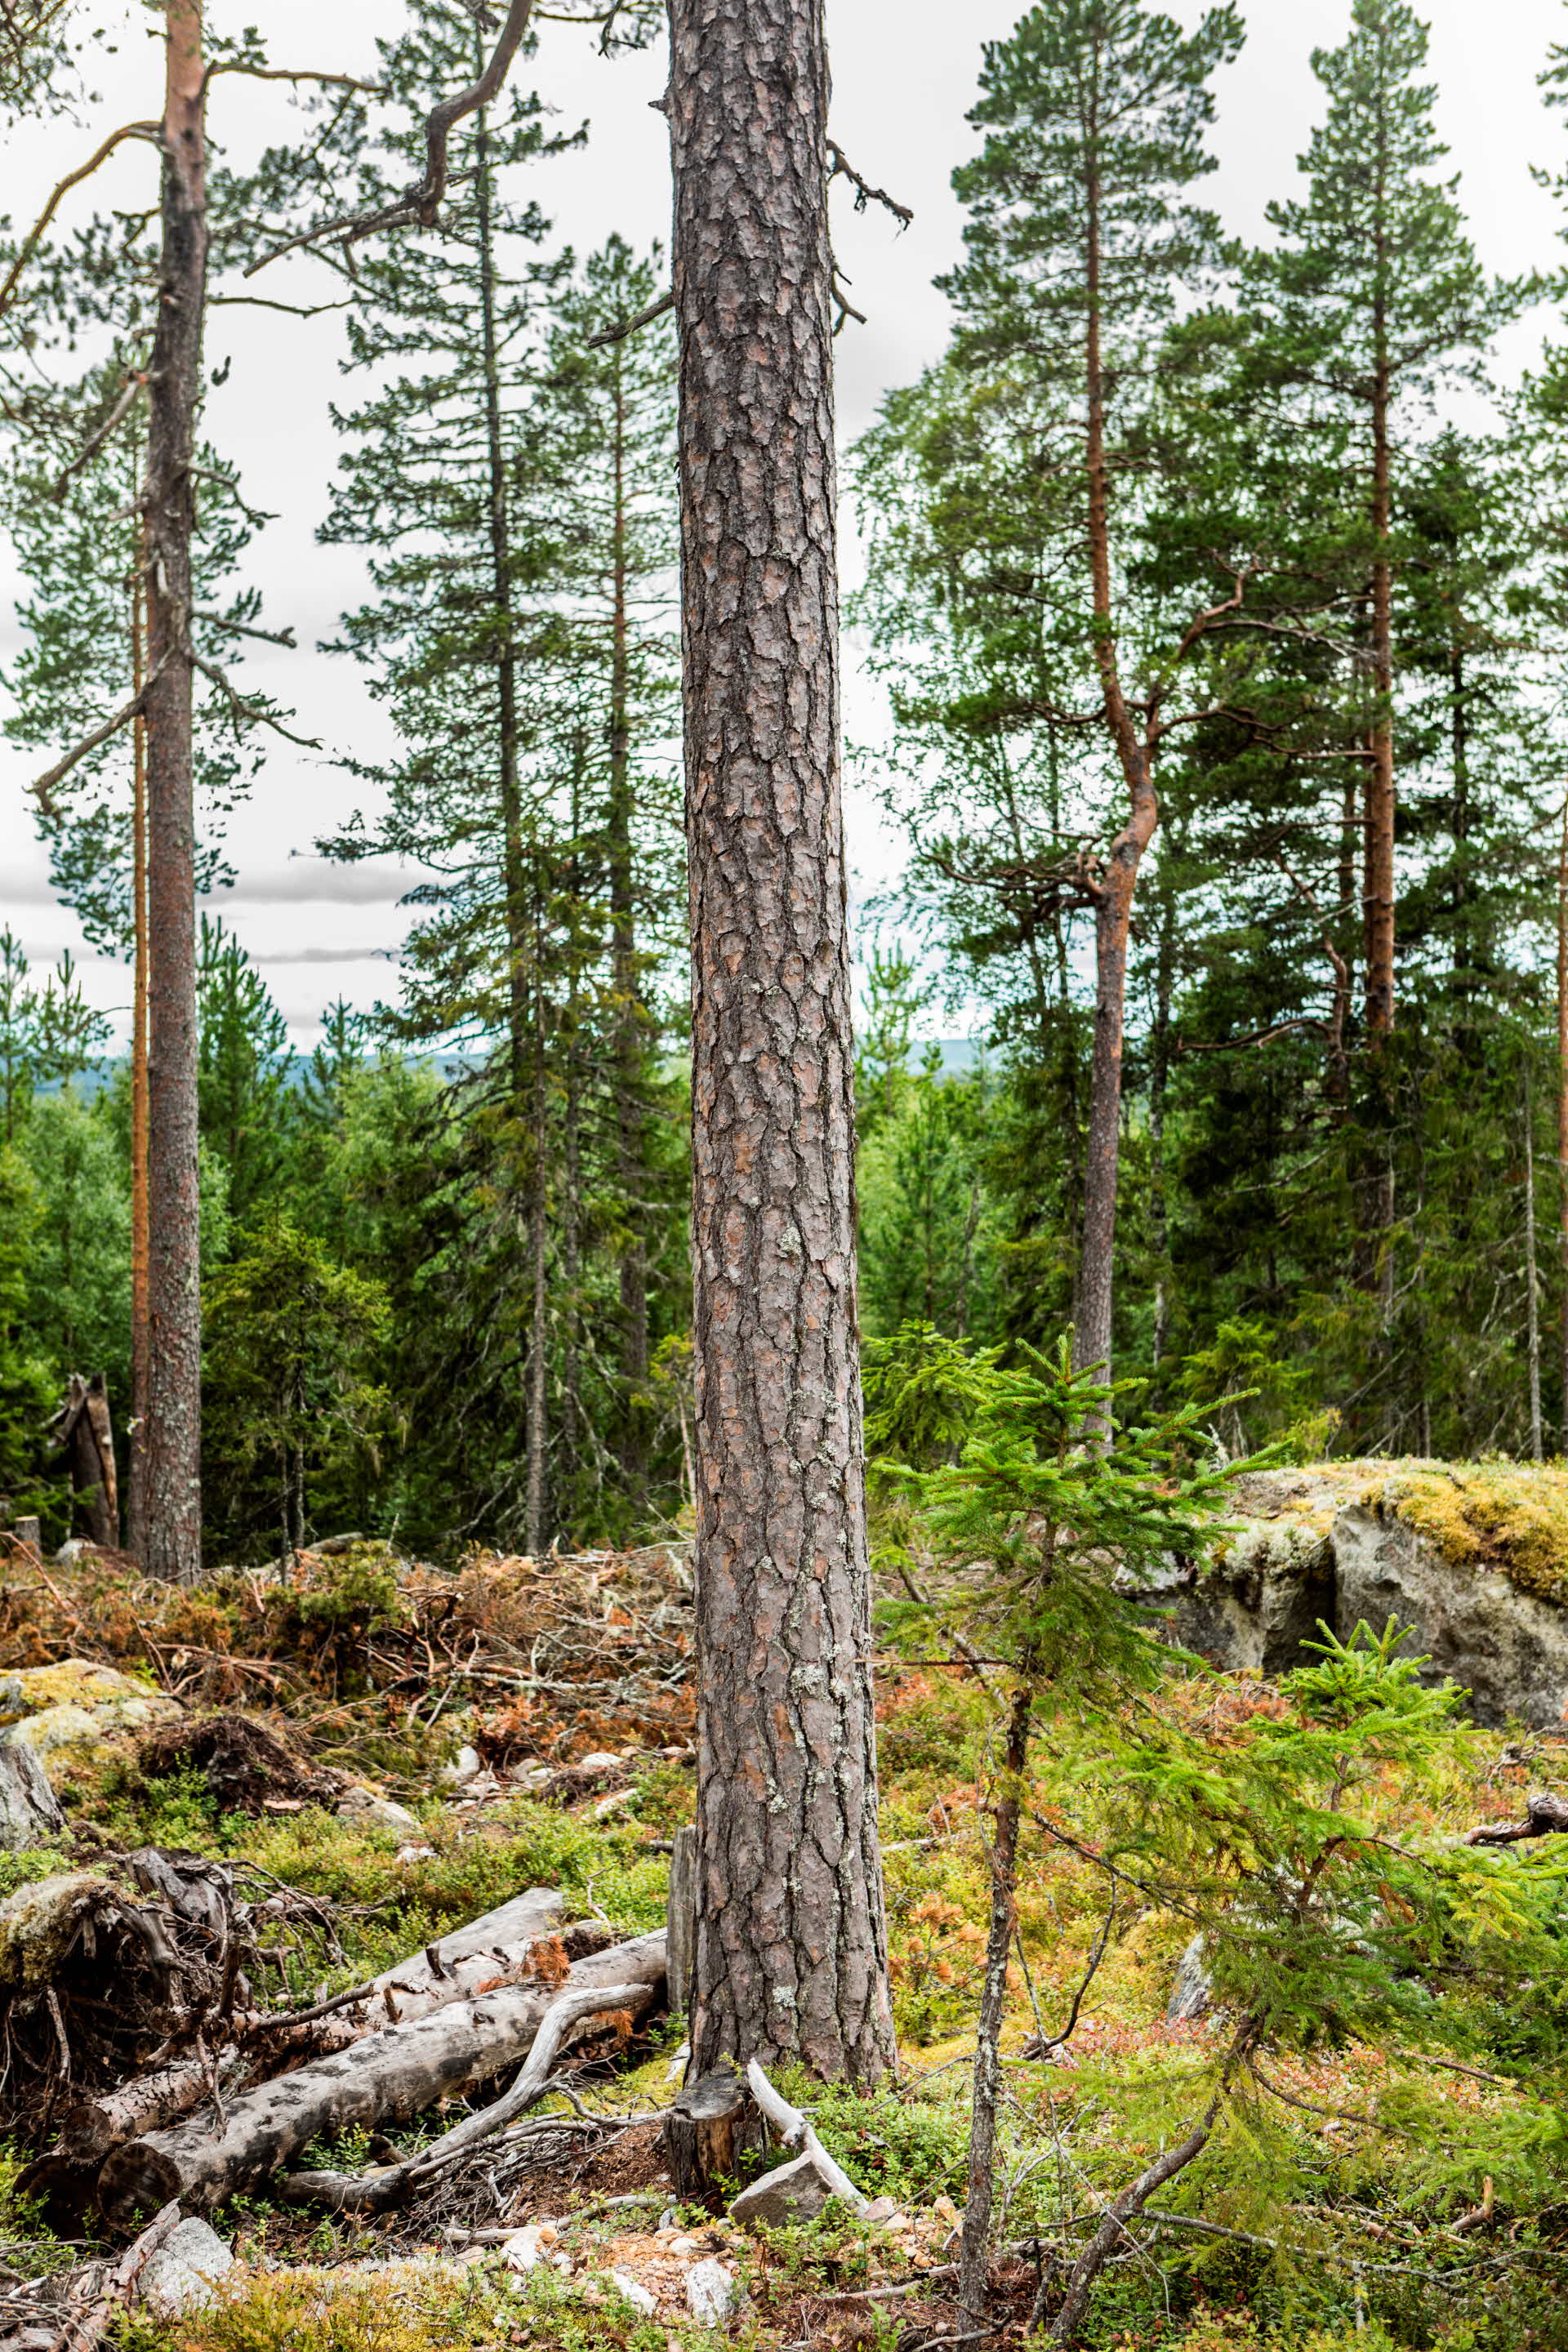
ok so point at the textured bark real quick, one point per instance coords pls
(172, 1533)
(397, 2072)
(86, 1435)
(709, 2133)
(1562, 1097)
(791, 1948)
(1531, 1280)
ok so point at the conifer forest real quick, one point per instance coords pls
(805, 1587)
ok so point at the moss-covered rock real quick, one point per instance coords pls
(113, 1703)
(38, 1925)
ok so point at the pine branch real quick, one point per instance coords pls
(135, 385)
(255, 713)
(261, 302)
(419, 205)
(243, 629)
(291, 73)
(148, 131)
(624, 327)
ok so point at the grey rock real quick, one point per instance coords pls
(362, 1804)
(795, 2192)
(183, 2275)
(30, 1814)
(1472, 1624)
(635, 2293)
(1193, 1989)
(712, 2293)
(466, 1766)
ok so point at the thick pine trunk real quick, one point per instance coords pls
(1531, 1280)
(791, 1948)
(173, 1531)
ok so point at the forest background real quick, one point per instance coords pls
(468, 1207)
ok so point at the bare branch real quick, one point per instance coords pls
(865, 193)
(290, 73)
(135, 385)
(626, 327)
(44, 785)
(261, 302)
(29, 246)
(418, 206)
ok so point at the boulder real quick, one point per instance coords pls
(1473, 1558)
(637, 2294)
(1475, 1624)
(115, 1702)
(793, 2193)
(183, 2275)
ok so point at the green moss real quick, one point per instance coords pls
(1508, 1516)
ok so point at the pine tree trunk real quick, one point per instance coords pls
(136, 1477)
(1532, 1279)
(537, 1534)
(791, 1949)
(1562, 1099)
(172, 1504)
(1159, 1082)
(1113, 909)
(630, 1141)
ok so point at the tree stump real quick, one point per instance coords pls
(680, 1922)
(713, 2125)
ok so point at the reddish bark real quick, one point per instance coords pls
(791, 1943)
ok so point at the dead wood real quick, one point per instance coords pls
(1545, 1816)
(713, 2125)
(30, 1814)
(375, 2192)
(386, 2076)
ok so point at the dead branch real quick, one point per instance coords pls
(255, 713)
(794, 2129)
(135, 385)
(80, 2335)
(419, 205)
(29, 246)
(290, 73)
(44, 785)
(865, 193)
(244, 629)
(1545, 1816)
(624, 327)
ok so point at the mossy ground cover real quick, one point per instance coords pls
(1341, 2199)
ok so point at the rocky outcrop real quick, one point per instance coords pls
(1473, 1560)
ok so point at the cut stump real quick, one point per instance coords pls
(713, 2126)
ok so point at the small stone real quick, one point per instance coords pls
(635, 2293)
(467, 1765)
(361, 1803)
(712, 2293)
(601, 1760)
(880, 2210)
(415, 1853)
(181, 2276)
(795, 2192)
(69, 1552)
(684, 2245)
(523, 2249)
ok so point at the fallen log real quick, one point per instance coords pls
(1545, 1816)
(384, 2077)
(375, 2192)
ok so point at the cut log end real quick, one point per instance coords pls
(137, 2179)
(712, 2127)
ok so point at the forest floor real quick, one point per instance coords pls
(567, 1682)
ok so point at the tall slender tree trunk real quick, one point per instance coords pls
(791, 1959)
(974, 2251)
(537, 1502)
(1562, 1097)
(172, 1496)
(1531, 1278)
(630, 1122)
(1378, 883)
(1158, 1083)
(136, 1479)
(1113, 908)
(514, 867)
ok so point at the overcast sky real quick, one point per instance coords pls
(904, 74)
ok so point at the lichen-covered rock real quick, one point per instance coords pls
(30, 1812)
(112, 1702)
(1474, 1626)
(183, 2275)
(793, 2193)
(58, 1732)
(360, 1804)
